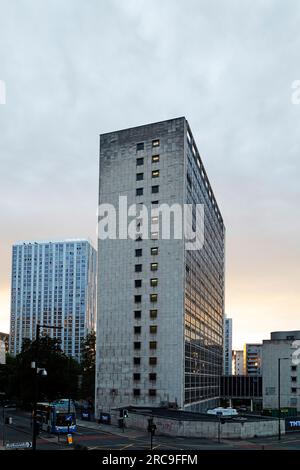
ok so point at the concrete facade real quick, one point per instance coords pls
(124, 335)
(238, 362)
(253, 359)
(283, 345)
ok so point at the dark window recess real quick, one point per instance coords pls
(137, 345)
(139, 161)
(140, 146)
(138, 283)
(136, 361)
(153, 329)
(152, 344)
(294, 379)
(137, 330)
(136, 377)
(152, 377)
(294, 368)
(152, 361)
(137, 299)
(189, 180)
(152, 392)
(139, 191)
(137, 314)
(138, 252)
(139, 176)
(155, 189)
(136, 392)
(138, 268)
(155, 203)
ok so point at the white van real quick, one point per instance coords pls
(222, 411)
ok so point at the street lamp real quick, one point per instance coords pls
(279, 404)
(38, 371)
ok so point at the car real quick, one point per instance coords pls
(220, 411)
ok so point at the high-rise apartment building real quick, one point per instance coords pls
(160, 306)
(227, 346)
(238, 362)
(253, 359)
(53, 283)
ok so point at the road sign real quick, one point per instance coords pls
(18, 445)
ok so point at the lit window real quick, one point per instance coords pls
(153, 297)
(140, 146)
(155, 143)
(153, 314)
(139, 176)
(155, 189)
(154, 250)
(154, 282)
(139, 191)
(154, 266)
(153, 329)
(155, 158)
(155, 173)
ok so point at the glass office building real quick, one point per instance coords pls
(53, 283)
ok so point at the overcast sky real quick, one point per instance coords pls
(74, 69)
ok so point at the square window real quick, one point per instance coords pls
(294, 368)
(139, 176)
(138, 283)
(138, 252)
(155, 173)
(294, 390)
(153, 329)
(155, 189)
(155, 158)
(154, 282)
(138, 268)
(154, 250)
(152, 344)
(137, 330)
(139, 191)
(136, 361)
(139, 161)
(137, 299)
(152, 392)
(140, 146)
(137, 314)
(294, 379)
(154, 235)
(152, 376)
(153, 266)
(153, 314)
(136, 377)
(153, 297)
(137, 345)
(136, 392)
(152, 361)
(155, 143)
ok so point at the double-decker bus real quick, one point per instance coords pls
(57, 417)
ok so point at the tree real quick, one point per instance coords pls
(88, 366)
(62, 372)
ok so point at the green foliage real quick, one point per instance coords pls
(88, 365)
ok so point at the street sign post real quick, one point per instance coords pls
(18, 445)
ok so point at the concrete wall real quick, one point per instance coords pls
(204, 429)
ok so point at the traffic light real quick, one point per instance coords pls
(123, 413)
(151, 426)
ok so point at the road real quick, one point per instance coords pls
(101, 439)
